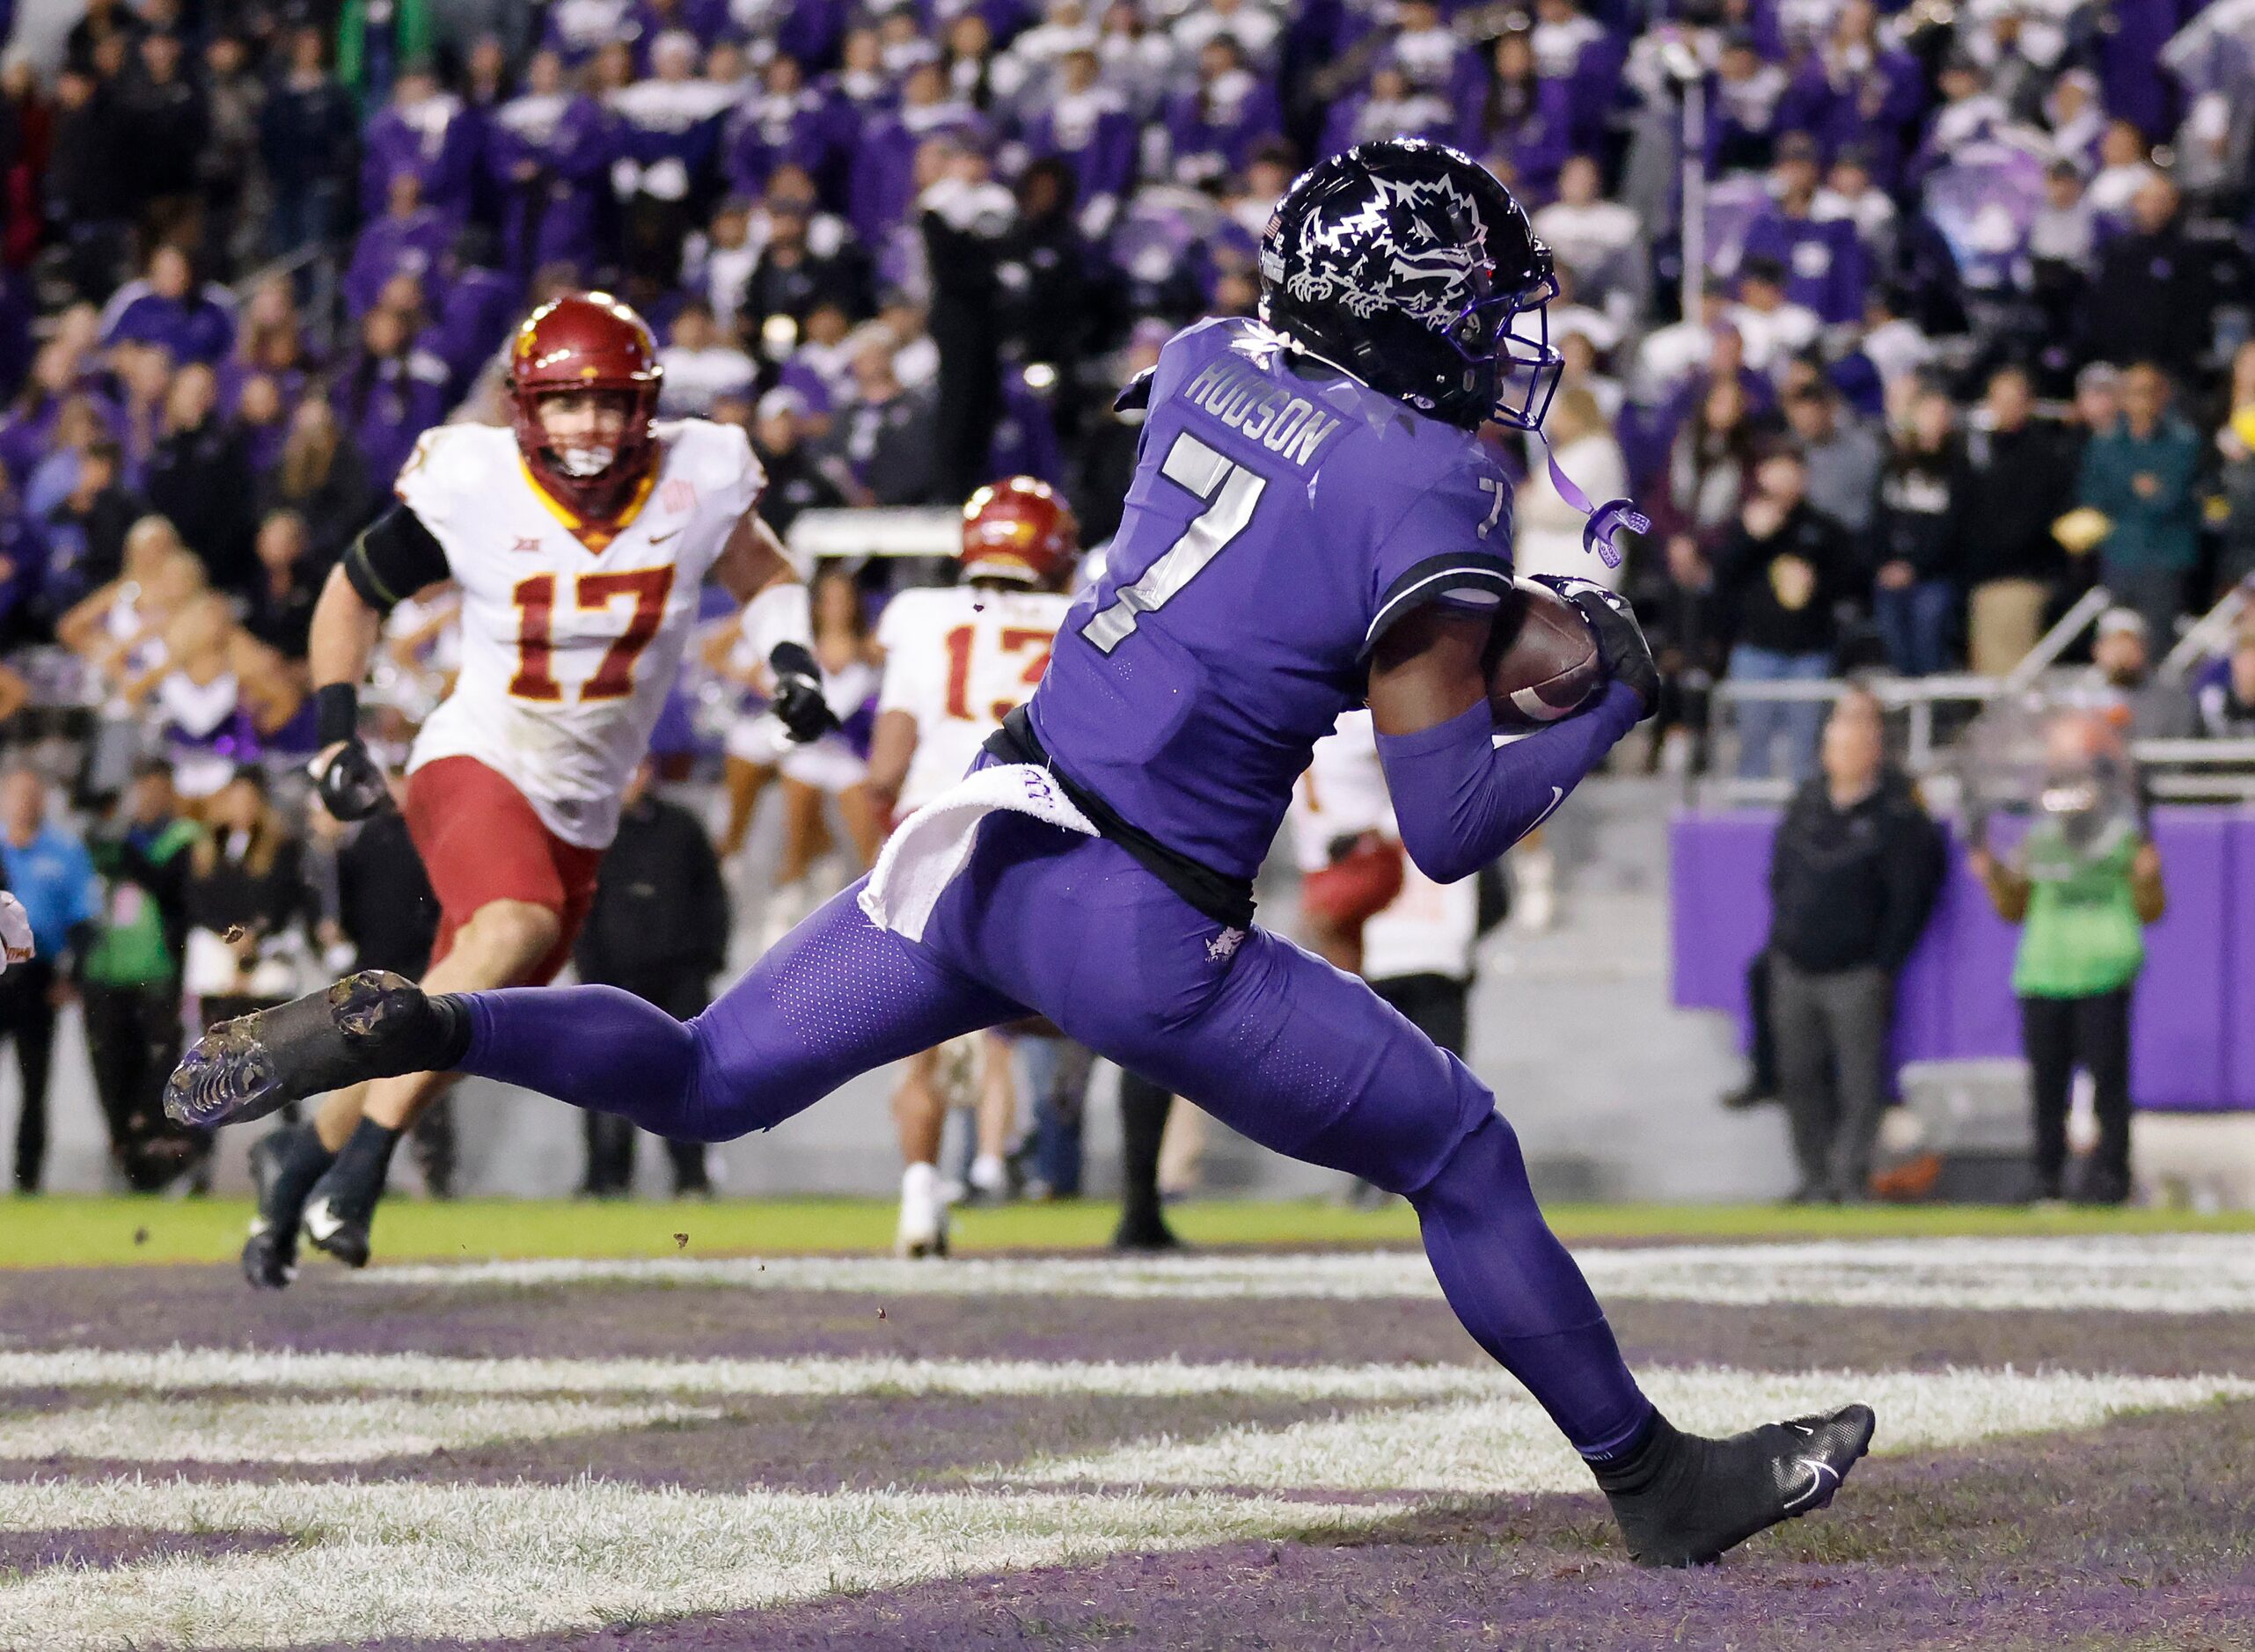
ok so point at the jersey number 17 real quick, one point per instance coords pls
(536, 647)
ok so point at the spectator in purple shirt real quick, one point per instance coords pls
(1823, 262)
(1086, 123)
(390, 393)
(549, 154)
(785, 120)
(1520, 117)
(420, 131)
(409, 239)
(1218, 124)
(166, 308)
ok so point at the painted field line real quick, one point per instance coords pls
(224, 1428)
(182, 1369)
(1506, 1444)
(2143, 1273)
(385, 1557)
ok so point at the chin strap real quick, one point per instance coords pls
(1605, 520)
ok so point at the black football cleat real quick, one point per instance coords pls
(1144, 1236)
(338, 1216)
(284, 1165)
(373, 1025)
(1688, 1498)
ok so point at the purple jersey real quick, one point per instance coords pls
(1282, 514)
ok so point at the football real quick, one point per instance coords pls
(1542, 659)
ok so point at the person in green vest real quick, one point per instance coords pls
(2089, 881)
(130, 981)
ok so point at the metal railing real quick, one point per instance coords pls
(2175, 770)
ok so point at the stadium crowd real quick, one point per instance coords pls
(1968, 329)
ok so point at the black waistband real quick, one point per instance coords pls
(1226, 900)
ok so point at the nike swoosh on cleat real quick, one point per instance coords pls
(1817, 1473)
(321, 1220)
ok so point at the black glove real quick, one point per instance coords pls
(351, 783)
(1620, 640)
(798, 693)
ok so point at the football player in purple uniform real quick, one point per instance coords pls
(1313, 523)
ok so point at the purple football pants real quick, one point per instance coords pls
(1272, 1041)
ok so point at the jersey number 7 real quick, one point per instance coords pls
(536, 648)
(1232, 494)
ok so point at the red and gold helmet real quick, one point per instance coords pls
(585, 341)
(1019, 530)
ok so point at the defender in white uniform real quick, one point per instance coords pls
(959, 659)
(579, 540)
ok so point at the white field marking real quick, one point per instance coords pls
(2171, 1272)
(182, 1369)
(1506, 1444)
(221, 1429)
(382, 1557)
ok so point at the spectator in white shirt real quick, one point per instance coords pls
(700, 366)
(1775, 328)
(1598, 242)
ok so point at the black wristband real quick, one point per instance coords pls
(336, 714)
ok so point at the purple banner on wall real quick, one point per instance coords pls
(2194, 1022)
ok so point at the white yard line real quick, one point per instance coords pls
(1506, 1444)
(2159, 1273)
(388, 1558)
(176, 1369)
(208, 1429)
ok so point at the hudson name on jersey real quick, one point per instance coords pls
(572, 633)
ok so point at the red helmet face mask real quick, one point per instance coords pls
(1019, 530)
(588, 341)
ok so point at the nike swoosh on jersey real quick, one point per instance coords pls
(660, 538)
(1557, 796)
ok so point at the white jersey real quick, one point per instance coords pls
(1343, 794)
(1429, 928)
(571, 637)
(958, 660)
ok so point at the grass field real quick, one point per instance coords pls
(533, 1429)
(64, 1231)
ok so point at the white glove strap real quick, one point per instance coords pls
(777, 614)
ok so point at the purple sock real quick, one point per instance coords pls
(595, 1047)
(1521, 1295)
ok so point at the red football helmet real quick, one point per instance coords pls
(585, 341)
(1020, 530)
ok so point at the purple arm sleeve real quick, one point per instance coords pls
(1462, 801)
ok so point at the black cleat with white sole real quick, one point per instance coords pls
(1682, 1500)
(373, 1025)
(284, 1165)
(339, 1224)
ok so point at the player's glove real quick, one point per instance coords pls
(799, 704)
(1620, 640)
(350, 781)
(347, 777)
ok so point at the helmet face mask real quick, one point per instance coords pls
(593, 426)
(1408, 265)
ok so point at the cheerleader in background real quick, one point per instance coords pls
(838, 764)
(757, 751)
(220, 696)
